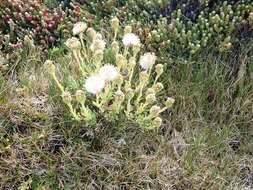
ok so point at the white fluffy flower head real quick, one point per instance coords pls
(73, 43)
(79, 27)
(147, 60)
(94, 84)
(97, 44)
(108, 72)
(130, 40)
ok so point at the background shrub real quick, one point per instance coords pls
(184, 27)
(44, 22)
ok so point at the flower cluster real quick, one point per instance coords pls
(36, 19)
(127, 87)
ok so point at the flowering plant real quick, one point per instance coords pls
(120, 89)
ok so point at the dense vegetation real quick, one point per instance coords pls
(126, 94)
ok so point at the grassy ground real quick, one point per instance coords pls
(205, 142)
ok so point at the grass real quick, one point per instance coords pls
(205, 141)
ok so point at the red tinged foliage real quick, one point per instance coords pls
(33, 17)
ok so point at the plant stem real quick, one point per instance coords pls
(58, 83)
(72, 111)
